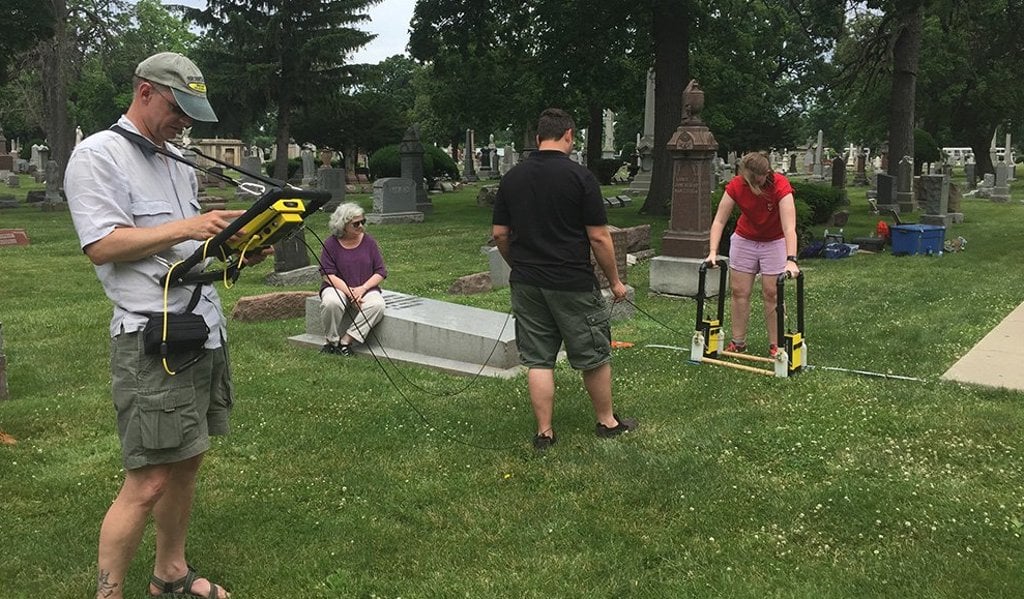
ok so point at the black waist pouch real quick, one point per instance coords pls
(185, 332)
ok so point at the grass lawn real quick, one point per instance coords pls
(345, 478)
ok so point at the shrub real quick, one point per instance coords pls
(385, 162)
(925, 149)
(294, 168)
(822, 200)
(437, 164)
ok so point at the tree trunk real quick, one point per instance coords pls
(980, 139)
(54, 54)
(905, 57)
(671, 74)
(595, 133)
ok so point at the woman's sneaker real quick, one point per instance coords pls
(736, 348)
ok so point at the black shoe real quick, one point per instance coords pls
(345, 350)
(543, 442)
(329, 348)
(625, 425)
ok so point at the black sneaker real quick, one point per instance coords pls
(329, 348)
(543, 442)
(625, 425)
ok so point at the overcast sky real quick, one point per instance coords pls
(389, 20)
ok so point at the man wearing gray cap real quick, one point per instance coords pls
(136, 213)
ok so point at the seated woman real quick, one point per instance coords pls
(352, 268)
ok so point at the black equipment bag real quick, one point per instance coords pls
(185, 332)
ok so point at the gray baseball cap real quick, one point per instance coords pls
(184, 79)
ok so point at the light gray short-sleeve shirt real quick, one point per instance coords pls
(111, 183)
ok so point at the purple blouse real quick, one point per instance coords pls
(354, 266)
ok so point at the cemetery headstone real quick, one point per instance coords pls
(291, 253)
(792, 164)
(508, 160)
(819, 156)
(971, 173)
(411, 155)
(394, 201)
(860, 177)
(1001, 190)
(934, 200)
(499, 269)
(641, 183)
(1008, 157)
(333, 180)
(905, 185)
(53, 199)
(686, 241)
(608, 129)
(468, 167)
(250, 164)
(839, 178)
(886, 192)
(308, 174)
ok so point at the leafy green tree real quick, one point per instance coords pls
(23, 25)
(956, 102)
(277, 55)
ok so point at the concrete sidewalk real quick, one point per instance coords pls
(998, 359)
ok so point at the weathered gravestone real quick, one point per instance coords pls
(905, 185)
(839, 179)
(971, 174)
(308, 170)
(54, 199)
(1001, 190)
(860, 177)
(686, 242)
(394, 201)
(885, 192)
(411, 153)
(934, 200)
(332, 180)
(6, 160)
(641, 184)
(468, 168)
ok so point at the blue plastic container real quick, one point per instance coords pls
(917, 239)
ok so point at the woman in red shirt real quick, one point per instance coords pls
(764, 242)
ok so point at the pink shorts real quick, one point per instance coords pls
(753, 257)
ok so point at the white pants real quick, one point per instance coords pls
(333, 304)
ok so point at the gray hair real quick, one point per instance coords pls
(342, 216)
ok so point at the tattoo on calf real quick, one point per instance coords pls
(104, 587)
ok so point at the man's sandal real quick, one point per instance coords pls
(182, 588)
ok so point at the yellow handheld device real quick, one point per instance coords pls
(270, 226)
(271, 218)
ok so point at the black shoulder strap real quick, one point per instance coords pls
(192, 303)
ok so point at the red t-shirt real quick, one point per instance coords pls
(759, 214)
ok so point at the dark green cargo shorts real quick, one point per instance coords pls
(546, 318)
(161, 418)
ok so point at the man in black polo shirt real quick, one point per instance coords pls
(548, 216)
